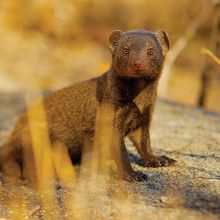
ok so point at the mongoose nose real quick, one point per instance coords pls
(138, 64)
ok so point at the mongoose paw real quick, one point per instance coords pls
(140, 176)
(137, 177)
(162, 161)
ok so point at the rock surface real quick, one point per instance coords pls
(190, 189)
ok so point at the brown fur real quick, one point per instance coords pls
(130, 86)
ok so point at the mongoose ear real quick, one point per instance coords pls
(163, 38)
(113, 39)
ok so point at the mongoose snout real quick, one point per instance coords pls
(138, 64)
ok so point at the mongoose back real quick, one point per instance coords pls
(129, 86)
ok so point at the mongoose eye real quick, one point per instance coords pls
(150, 51)
(126, 51)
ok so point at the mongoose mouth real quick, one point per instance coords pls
(139, 72)
(136, 73)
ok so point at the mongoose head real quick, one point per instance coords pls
(138, 53)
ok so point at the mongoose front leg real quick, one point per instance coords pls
(141, 139)
(120, 154)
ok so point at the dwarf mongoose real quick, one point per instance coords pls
(130, 86)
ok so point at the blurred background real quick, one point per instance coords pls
(49, 44)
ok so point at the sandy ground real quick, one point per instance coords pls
(190, 189)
